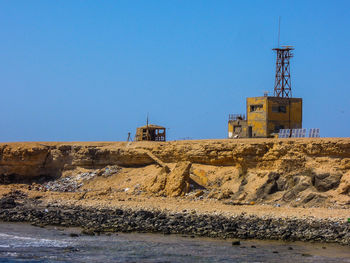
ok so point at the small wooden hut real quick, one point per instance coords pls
(151, 132)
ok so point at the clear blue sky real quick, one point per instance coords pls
(92, 70)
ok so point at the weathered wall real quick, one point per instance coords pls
(290, 119)
(237, 128)
(257, 118)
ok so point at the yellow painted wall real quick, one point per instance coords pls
(257, 119)
(291, 119)
(230, 129)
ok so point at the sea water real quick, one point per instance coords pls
(25, 243)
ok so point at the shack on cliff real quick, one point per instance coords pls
(151, 132)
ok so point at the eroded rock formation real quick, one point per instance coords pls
(299, 172)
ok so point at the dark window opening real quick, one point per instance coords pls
(257, 107)
(281, 109)
(157, 134)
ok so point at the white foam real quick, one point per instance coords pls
(20, 241)
(2, 246)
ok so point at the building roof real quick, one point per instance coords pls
(151, 126)
(275, 98)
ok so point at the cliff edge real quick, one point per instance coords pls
(295, 172)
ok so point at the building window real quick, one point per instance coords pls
(257, 107)
(280, 109)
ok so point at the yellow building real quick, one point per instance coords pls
(265, 117)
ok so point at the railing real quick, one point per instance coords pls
(235, 117)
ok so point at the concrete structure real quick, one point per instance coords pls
(150, 132)
(265, 117)
(237, 126)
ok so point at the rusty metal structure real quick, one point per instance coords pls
(283, 88)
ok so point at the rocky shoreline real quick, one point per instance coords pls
(96, 220)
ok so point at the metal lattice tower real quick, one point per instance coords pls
(283, 86)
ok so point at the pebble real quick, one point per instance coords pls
(98, 220)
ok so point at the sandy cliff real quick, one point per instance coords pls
(297, 172)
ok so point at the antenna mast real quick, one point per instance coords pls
(283, 86)
(279, 27)
(147, 132)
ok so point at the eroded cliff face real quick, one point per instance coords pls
(299, 172)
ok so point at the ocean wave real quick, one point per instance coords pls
(4, 246)
(22, 241)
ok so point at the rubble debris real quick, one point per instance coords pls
(108, 171)
(66, 184)
(74, 183)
